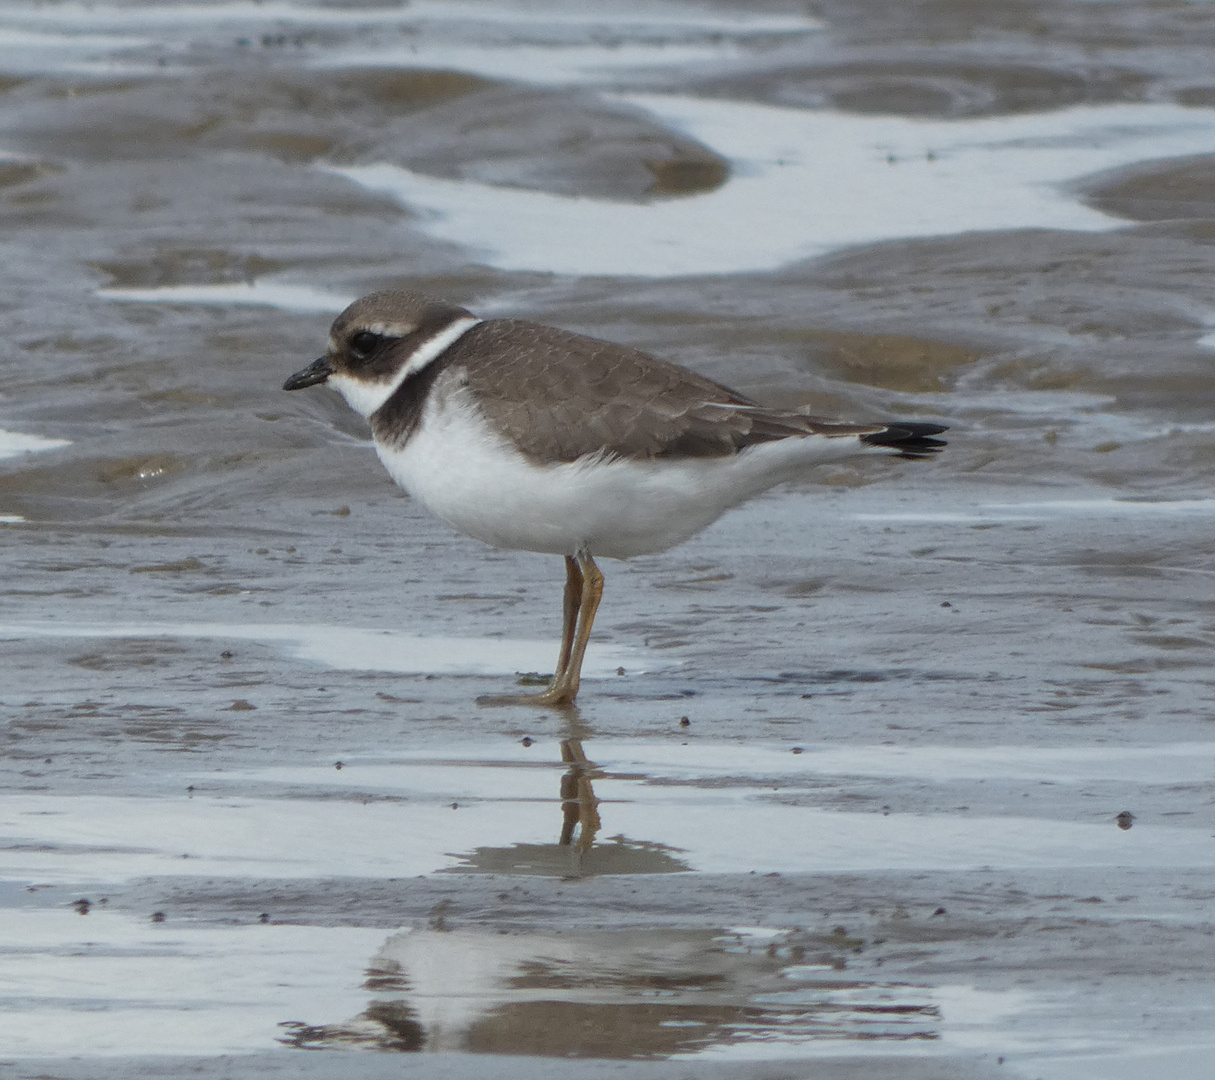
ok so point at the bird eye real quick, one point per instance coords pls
(363, 343)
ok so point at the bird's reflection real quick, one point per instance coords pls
(579, 851)
(624, 993)
(579, 807)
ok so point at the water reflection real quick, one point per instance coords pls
(575, 854)
(634, 993)
(621, 994)
(579, 807)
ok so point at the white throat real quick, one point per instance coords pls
(366, 397)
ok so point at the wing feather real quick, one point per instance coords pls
(560, 396)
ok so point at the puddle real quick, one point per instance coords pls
(636, 808)
(353, 649)
(1084, 420)
(1175, 763)
(1131, 507)
(108, 984)
(179, 15)
(24, 40)
(545, 65)
(636, 40)
(625, 994)
(14, 444)
(104, 983)
(674, 17)
(1047, 509)
(870, 178)
(635, 37)
(1188, 1062)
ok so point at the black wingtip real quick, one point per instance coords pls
(909, 439)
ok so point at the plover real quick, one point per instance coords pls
(538, 439)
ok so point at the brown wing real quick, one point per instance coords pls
(560, 396)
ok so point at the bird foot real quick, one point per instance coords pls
(555, 697)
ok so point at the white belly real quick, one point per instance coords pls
(458, 469)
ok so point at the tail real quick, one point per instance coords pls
(911, 440)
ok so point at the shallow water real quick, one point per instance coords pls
(905, 770)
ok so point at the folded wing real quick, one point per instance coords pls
(561, 396)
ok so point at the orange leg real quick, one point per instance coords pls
(583, 591)
(572, 601)
(567, 681)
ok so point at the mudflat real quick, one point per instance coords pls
(903, 770)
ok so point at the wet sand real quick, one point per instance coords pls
(903, 771)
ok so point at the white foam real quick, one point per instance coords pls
(14, 444)
(250, 294)
(354, 649)
(805, 182)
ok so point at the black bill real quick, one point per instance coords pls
(316, 372)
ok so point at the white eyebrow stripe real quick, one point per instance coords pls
(366, 397)
(390, 329)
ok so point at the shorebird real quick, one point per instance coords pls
(537, 439)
